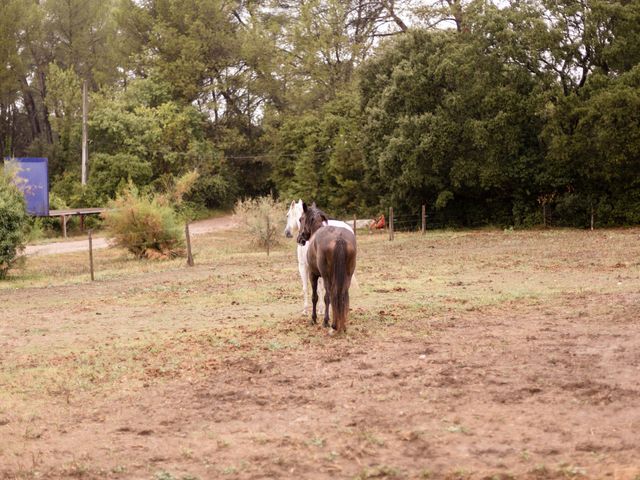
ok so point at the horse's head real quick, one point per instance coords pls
(293, 218)
(311, 220)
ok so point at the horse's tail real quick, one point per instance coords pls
(340, 285)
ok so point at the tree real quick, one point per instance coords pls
(11, 22)
(82, 36)
(144, 136)
(449, 124)
(318, 156)
(592, 142)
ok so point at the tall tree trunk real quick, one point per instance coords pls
(12, 138)
(4, 129)
(32, 111)
(46, 124)
(390, 6)
(456, 12)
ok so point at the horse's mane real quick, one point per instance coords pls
(314, 212)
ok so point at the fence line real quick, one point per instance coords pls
(420, 221)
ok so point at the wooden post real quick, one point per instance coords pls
(64, 225)
(390, 223)
(91, 254)
(424, 219)
(354, 224)
(85, 150)
(188, 237)
(268, 237)
(81, 223)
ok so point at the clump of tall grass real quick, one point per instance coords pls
(262, 218)
(147, 224)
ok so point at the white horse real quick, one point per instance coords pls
(293, 224)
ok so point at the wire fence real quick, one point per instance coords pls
(417, 220)
(188, 251)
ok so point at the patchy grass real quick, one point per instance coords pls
(65, 340)
(145, 320)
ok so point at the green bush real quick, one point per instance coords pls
(111, 173)
(69, 191)
(216, 187)
(146, 225)
(35, 229)
(13, 223)
(263, 218)
(50, 226)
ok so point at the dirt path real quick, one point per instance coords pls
(196, 228)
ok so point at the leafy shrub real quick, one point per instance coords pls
(571, 210)
(35, 229)
(147, 225)
(263, 218)
(51, 225)
(214, 190)
(13, 223)
(70, 192)
(111, 173)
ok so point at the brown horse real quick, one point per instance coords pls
(332, 256)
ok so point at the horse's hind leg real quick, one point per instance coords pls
(327, 300)
(314, 298)
(320, 294)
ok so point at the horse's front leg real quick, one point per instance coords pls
(314, 298)
(303, 268)
(327, 301)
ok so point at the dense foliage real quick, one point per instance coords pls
(13, 223)
(488, 112)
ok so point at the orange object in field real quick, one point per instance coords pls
(378, 224)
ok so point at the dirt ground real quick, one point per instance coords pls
(80, 245)
(478, 355)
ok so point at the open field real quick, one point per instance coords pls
(468, 355)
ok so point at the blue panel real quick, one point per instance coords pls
(33, 174)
